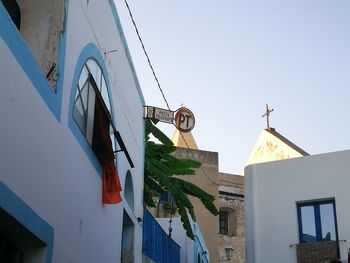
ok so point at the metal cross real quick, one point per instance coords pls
(267, 114)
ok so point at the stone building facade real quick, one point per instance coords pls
(228, 189)
(231, 245)
(225, 233)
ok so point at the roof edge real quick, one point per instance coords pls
(286, 141)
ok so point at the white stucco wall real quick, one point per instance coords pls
(42, 161)
(271, 192)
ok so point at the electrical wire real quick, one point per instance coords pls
(144, 51)
(191, 151)
(90, 23)
(159, 86)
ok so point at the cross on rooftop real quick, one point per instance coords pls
(267, 114)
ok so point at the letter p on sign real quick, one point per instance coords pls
(184, 120)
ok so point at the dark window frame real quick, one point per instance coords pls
(223, 222)
(107, 111)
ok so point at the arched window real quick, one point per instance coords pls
(129, 190)
(92, 110)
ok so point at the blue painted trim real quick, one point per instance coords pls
(300, 223)
(14, 41)
(199, 244)
(200, 238)
(318, 222)
(317, 214)
(90, 51)
(126, 49)
(19, 210)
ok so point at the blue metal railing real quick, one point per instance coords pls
(157, 245)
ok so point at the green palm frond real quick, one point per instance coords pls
(184, 166)
(157, 168)
(160, 168)
(185, 220)
(152, 129)
(193, 190)
(152, 184)
(160, 172)
(155, 149)
(184, 171)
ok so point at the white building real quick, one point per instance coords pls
(297, 210)
(53, 66)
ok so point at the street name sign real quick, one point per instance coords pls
(160, 114)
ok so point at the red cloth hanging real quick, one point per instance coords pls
(111, 187)
(102, 146)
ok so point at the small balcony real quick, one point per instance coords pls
(318, 252)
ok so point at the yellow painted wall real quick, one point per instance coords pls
(270, 148)
(178, 140)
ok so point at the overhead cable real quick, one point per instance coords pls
(159, 86)
(144, 50)
(191, 151)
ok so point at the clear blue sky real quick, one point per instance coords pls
(225, 59)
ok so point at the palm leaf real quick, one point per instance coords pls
(161, 173)
(184, 171)
(150, 128)
(185, 220)
(152, 184)
(193, 190)
(183, 163)
(157, 168)
(161, 166)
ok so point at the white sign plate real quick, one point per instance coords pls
(159, 114)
